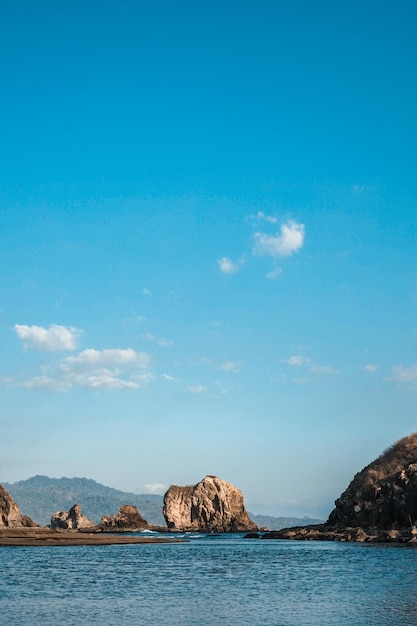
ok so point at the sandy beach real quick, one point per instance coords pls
(47, 537)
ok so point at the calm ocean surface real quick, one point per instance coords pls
(218, 580)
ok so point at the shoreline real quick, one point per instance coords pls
(47, 537)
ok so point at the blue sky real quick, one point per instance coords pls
(208, 241)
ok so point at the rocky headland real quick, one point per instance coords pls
(212, 505)
(379, 505)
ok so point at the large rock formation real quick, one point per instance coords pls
(127, 519)
(384, 494)
(212, 505)
(70, 520)
(10, 516)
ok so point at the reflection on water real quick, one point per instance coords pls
(224, 580)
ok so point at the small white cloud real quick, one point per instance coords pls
(197, 389)
(273, 274)
(323, 370)
(297, 361)
(146, 292)
(405, 374)
(168, 377)
(371, 368)
(164, 343)
(260, 216)
(52, 339)
(287, 242)
(304, 362)
(155, 488)
(230, 366)
(227, 266)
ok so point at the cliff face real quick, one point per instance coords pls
(10, 516)
(73, 519)
(384, 494)
(212, 505)
(128, 518)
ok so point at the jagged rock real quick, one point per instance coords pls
(73, 519)
(10, 516)
(127, 519)
(212, 505)
(384, 494)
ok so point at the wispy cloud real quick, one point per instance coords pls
(230, 366)
(227, 266)
(168, 377)
(197, 389)
(406, 375)
(297, 360)
(306, 364)
(155, 488)
(93, 369)
(164, 343)
(371, 368)
(289, 240)
(260, 216)
(323, 370)
(273, 274)
(56, 338)
(227, 366)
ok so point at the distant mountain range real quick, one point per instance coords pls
(41, 496)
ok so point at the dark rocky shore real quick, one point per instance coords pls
(322, 532)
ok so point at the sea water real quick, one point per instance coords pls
(210, 580)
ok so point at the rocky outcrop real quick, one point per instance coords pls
(70, 520)
(10, 516)
(127, 519)
(323, 532)
(384, 494)
(212, 505)
(379, 505)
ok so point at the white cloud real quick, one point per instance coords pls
(97, 359)
(164, 343)
(371, 368)
(155, 488)
(304, 362)
(405, 374)
(260, 216)
(197, 389)
(230, 366)
(273, 274)
(323, 370)
(52, 339)
(146, 292)
(297, 360)
(94, 369)
(227, 266)
(287, 242)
